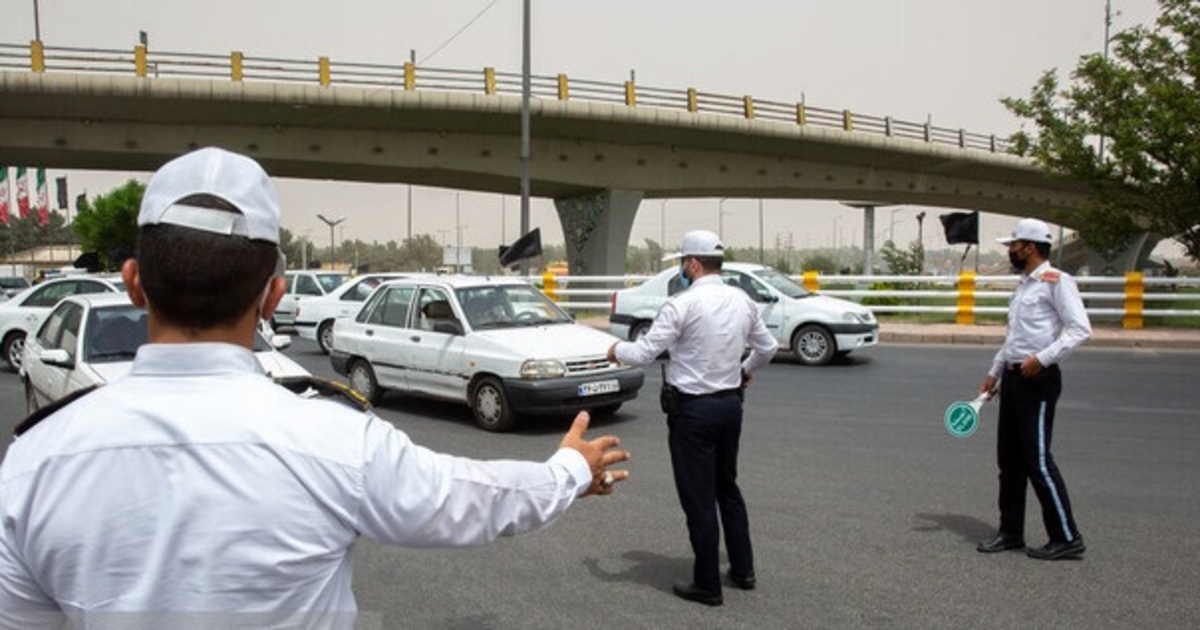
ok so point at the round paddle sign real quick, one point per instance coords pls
(962, 418)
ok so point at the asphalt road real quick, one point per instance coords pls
(864, 511)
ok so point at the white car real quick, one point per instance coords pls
(498, 345)
(815, 327)
(304, 284)
(315, 315)
(92, 339)
(22, 313)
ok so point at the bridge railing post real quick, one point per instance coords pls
(847, 120)
(323, 71)
(139, 60)
(410, 75)
(236, 69)
(801, 115)
(489, 80)
(1135, 300)
(630, 94)
(693, 102)
(966, 298)
(748, 106)
(37, 56)
(564, 88)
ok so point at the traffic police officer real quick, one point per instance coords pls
(197, 486)
(1046, 322)
(706, 329)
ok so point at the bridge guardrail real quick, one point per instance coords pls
(236, 66)
(959, 295)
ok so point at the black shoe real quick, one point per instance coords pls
(1057, 550)
(745, 583)
(1000, 542)
(693, 594)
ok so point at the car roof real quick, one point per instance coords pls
(459, 281)
(92, 300)
(111, 279)
(317, 272)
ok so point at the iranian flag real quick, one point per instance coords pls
(22, 193)
(4, 195)
(43, 198)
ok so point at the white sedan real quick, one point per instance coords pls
(816, 328)
(21, 314)
(497, 345)
(315, 315)
(91, 339)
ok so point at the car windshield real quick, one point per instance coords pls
(114, 333)
(331, 281)
(508, 306)
(782, 283)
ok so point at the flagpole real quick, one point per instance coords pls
(525, 93)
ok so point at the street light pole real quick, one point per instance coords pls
(332, 249)
(721, 219)
(37, 22)
(762, 259)
(525, 92)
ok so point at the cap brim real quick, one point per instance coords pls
(675, 256)
(1005, 241)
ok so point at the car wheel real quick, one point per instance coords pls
(30, 400)
(639, 331)
(14, 347)
(325, 336)
(362, 380)
(489, 403)
(813, 345)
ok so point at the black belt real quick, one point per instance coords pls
(717, 394)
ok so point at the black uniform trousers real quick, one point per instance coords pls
(1023, 453)
(703, 438)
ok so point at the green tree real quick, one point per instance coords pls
(1128, 126)
(822, 263)
(910, 262)
(107, 225)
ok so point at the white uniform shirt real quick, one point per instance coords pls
(1046, 318)
(706, 328)
(196, 484)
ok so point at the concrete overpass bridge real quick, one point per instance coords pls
(598, 148)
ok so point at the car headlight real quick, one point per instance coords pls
(542, 368)
(859, 318)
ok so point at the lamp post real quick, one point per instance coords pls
(721, 219)
(526, 89)
(331, 223)
(921, 237)
(762, 260)
(37, 22)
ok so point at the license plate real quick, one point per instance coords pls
(599, 387)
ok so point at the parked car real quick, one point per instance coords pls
(315, 315)
(301, 284)
(12, 285)
(91, 339)
(498, 345)
(21, 314)
(816, 328)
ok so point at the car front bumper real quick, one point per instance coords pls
(561, 395)
(853, 336)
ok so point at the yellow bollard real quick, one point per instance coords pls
(410, 75)
(1135, 300)
(810, 281)
(748, 106)
(550, 285)
(630, 94)
(693, 101)
(489, 80)
(966, 298)
(564, 88)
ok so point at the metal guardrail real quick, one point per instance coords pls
(236, 66)
(959, 294)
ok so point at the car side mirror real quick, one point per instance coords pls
(57, 357)
(448, 326)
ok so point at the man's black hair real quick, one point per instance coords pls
(199, 279)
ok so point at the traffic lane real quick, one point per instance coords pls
(864, 510)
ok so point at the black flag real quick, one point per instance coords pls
(62, 193)
(961, 227)
(527, 246)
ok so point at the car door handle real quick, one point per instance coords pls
(415, 338)
(370, 333)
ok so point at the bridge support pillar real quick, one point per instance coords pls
(1134, 257)
(596, 228)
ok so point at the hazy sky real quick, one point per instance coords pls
(951, 60)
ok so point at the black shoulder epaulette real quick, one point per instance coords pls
(45, 412)
(325, 387)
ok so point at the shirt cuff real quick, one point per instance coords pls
(577, 467)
